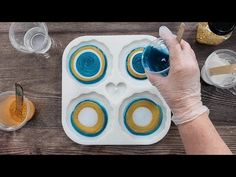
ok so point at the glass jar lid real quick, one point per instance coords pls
(221, 28)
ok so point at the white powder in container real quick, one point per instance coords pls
(222, 59)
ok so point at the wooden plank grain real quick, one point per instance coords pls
(41, 79)
(54, 141)
(99, 27)
(104, 27)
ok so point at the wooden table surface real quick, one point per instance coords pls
(41, 79)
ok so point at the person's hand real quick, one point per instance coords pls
(181, 88)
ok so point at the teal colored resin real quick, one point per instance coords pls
(134, 65)
(88, 64)
(137, 63)
(156, 59)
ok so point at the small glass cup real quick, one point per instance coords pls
(7, 120)
(219, 57)
(30, 37)
(155, 58)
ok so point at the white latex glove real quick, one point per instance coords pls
(181, 88)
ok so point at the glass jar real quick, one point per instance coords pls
(214, 33)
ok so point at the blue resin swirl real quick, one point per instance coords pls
(88, 64)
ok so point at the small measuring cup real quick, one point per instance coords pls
(30, 37)
(155, 58)
(6, 122)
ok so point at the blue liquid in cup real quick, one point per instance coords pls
(156, 59)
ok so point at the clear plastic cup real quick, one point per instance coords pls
(219, 58)
(30, 37)
(155, 58)
(6, 121)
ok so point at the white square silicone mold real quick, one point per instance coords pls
(106, 97)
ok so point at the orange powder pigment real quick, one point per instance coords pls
(15, 115)
(9, 115)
